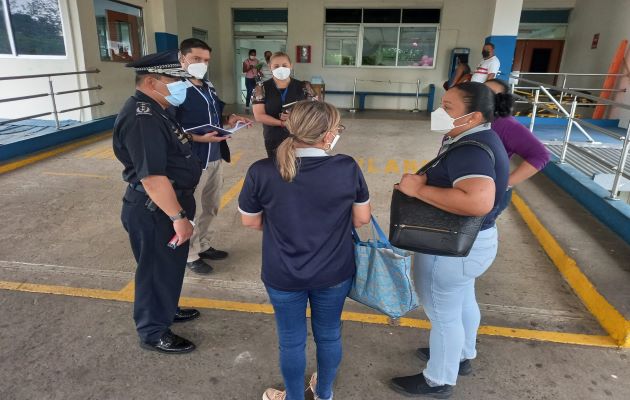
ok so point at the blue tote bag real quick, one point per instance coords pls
(383, 279)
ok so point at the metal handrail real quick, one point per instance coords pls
(619, 169)
(567, 74)
(52, 94)
(11, 78)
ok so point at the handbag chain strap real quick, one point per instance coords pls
(462, 143)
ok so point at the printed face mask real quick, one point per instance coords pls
(198, 70)
(282, 73)
(442, 122)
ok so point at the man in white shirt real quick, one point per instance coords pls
(488, 67)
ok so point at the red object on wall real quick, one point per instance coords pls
(303, 54)
(595, 40)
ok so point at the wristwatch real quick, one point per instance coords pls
(180, 215)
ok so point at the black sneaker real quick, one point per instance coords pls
(213, 254)
(416, 386)
(199, 267)
(465, 367)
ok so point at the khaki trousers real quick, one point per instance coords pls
(207, 198)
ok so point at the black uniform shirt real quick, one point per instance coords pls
(273, 98)
(148, 141)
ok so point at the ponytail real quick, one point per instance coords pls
(503, 104)
(503, 100)
(308, 123)
(286, 159)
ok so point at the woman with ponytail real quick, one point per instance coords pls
(468, 181)
(306, 203)
(517, 139)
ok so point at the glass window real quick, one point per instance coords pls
(200, 34)
(542, 31)
(343, 15)
(421, 16)
(260, 28)
(381, 15)
(417, 46)
(36, 26)
(341, 44)
(120, 31)
(5, 45)
(380, 45)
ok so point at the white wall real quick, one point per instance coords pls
(613, 24)
(463, 24)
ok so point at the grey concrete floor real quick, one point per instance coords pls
(61, 226)
(55, 347)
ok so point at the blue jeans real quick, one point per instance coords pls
(446, 286)
(290, 310)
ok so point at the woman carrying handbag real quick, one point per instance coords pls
(306, 203)
(468, 181)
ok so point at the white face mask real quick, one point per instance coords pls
(282, 73)
(442, 122)
(198, 70)
(334, 142)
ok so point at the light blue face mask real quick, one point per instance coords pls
(177, 92)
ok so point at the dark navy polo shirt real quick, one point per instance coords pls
(307, 223)
(148, 141)
(474, 162)
(202, 106)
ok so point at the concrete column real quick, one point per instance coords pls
(506, 17)
(164, 21)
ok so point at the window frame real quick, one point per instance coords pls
(142, 39)
(10, 36)
(360, 38)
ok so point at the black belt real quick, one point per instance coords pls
(178, 192)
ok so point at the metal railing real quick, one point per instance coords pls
(572, 121)
(51, 92)
(353, 109)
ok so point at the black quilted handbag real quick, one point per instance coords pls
(418, 226)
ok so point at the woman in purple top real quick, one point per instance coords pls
(517, 139)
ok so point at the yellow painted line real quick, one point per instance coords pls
(126, 295)
(610, 319)
(236, 158)
(231, 193)
(13, 165)
(77, 174)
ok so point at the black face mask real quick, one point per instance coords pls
(485, 53)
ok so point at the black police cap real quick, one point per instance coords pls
(163, 63)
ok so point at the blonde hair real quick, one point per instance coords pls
(308, 122)
(279, 54)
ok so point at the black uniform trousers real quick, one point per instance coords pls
(160, 271)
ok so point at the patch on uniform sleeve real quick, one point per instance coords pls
(143, 108)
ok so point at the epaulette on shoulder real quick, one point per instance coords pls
(143, 108)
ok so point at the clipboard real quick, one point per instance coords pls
(203, 129)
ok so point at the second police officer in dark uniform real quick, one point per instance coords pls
(162, 173)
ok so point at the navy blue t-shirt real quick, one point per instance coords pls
(307, 223)
(473, 161)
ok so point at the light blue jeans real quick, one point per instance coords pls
(446, 286)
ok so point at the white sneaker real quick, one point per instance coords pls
(274, 394)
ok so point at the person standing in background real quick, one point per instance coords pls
(265, 71)
(201, 107)
(488, 68)
(517, 139)
(270, 97)
(251, 72)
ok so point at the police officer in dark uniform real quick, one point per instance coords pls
(162, 173)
